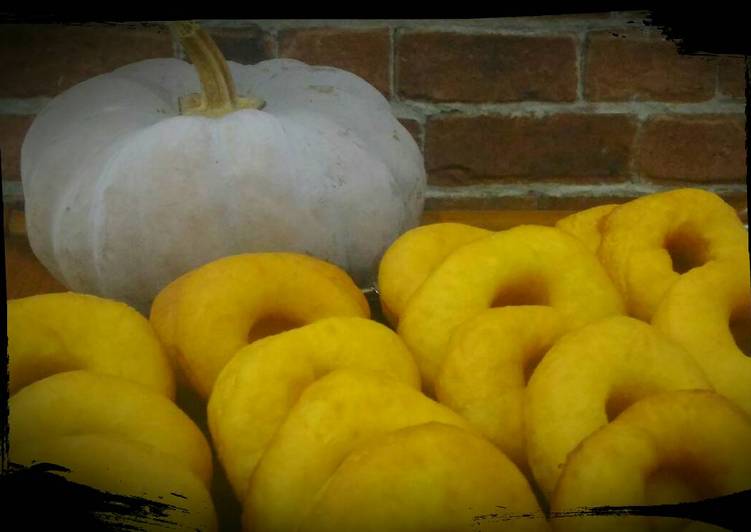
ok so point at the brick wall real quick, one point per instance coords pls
(524, 113)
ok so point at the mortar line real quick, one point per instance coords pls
(394, 97)
(274, 33)
(633, 166)
(565, 190)
(717, 92)
(527, 25)
(642, 109)
(13, 190)
(581, 66)
(175, 45)
(423, 133)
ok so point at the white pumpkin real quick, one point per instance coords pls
(124, 194)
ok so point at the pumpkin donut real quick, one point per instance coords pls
(424, 478)
(668, 448)
(413, 256)
(82, 402)
(648, 243)
(587, 225)
(588, 377)
(208, 314)
(51, 333)
(261, 383)
(526, 265)
(175, 496)
(334, 416)
(484, 375)
(708, 312)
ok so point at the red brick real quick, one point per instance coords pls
(631, 65)
(44, 60)
(732, 77)
(12, 132)
(362, 52)
(414, 127)
(247, 46)
(454, 67)
(463, 150)
(705, 148)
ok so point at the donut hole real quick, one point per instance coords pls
(687, 248)
(740, 328)
(672, 483)
(622, 397)
(678, 480)
(531, 360)
(49, 367)
(616, 404)
(526, 290)
(270, 325)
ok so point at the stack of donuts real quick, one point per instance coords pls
(604, 356)
(92, 390)
(322, 425)
(527, 373)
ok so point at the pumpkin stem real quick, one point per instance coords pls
(218, 95)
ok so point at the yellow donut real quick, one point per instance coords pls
(51, 333)
(526, 265)
(413, 256)
(588, 377)
(333, 417)
(587, 225)
(708, 312)
(424, 478)
(486, 370)
(262, 382)
(123, 467)
(667, 448)
(81, 402)
(648, 243)
(207, 315)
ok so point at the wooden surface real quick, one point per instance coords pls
(495, 220)
(25, 275)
